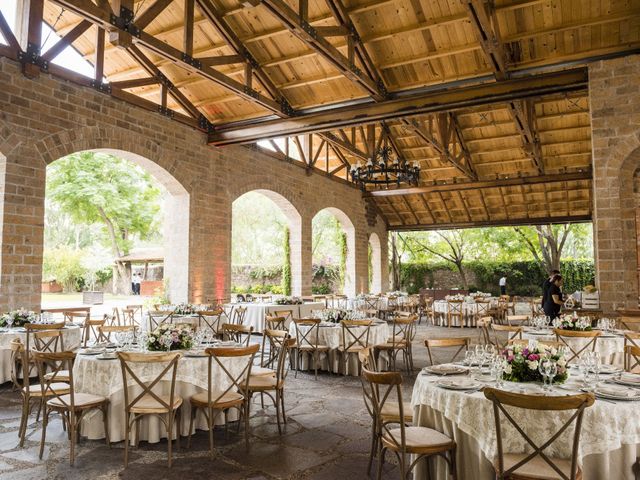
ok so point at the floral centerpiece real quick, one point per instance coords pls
(573, 322)
(168, 337)
(288, 301)
(457, 297)
(184, 309)
(522, 362)
(17, 318)
(336, 315)
(479, 295)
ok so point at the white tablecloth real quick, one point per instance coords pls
(194, 320)
(469, 309)
(71, 335)
(256, 312)
(610, 347)
(331, 335)
(104, 377)
(609, 443)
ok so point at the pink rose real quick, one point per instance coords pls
(534, 356)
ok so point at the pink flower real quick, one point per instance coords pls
(534, 356)
(510, 358)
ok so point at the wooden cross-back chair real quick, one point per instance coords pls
(631, 323)
(105, 331)
(235, 333)
(17, 356)
(149, 401)
(462, 344)
(355, 337)
(392, 431)
(482, 310)
(286, 314)
(70, 405)
(157, 318)
(484, 335)
(91, 330)
(340, 301)
(238, 314)
(536, 307)
(547, 343)
(512, 333)
(218, 399)
(402, 334)
(537, 463)
(275, 322)
(272, 340)
(79, 318)
(210, 319)
(564, 337)
(632, 358)
(455, 311)
(308, 342)
(272, 385)
(137, 309)
(425, 309)
(632, 339)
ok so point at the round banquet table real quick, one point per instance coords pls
(104, 377)
(330, 334)
(610, 346)
(469, 309)
(609, 441)
(71, 336)
(194, 320)
(256, 312)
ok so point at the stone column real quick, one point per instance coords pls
(301, 259)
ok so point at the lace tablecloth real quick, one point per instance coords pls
(256, 312)
(331, 335)
(610, 347)
(194, 320)
(609, 443)
(104, 377)
(469, 309)
(71, 335)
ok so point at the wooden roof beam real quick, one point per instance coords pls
(507, 222)
(524, 114)
(485, 184)
(303, 30)
(426, 102)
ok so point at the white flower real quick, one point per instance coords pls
(561, 362)
(533, 365)
(508, 369)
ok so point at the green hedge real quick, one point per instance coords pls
(523, 278)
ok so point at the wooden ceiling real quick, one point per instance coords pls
(500, 137)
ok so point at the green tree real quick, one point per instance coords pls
(98, 188)
(286, 266)
(546, 243)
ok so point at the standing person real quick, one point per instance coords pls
(547, 283)
(133, 283)
(553, 299)
(136, 283)
(503, 284)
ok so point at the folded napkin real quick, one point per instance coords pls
(614, 391)
(445, 369)
(630, 378)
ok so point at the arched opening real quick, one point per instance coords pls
(265, 244)
(136, 216)
(333, 249)
(375, 264)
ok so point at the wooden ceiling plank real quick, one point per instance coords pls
(444, 205)
(427, 209)
(544, 220)
(464, 205)
(410, 209)
(151, 13)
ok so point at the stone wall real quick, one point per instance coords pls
(614, 93)
(44, 119)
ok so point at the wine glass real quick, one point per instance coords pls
(543, 372)
(167, 341)
(480, 349)
(469, 357)
(551, 370)
(595, 363)
(143, 339)
(10, 320)
(584, 366)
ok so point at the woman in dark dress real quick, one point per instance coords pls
(553, 297)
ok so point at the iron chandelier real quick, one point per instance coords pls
(382, 171)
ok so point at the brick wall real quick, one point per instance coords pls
(45, 119)
(614, 93)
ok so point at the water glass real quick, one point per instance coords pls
(469, 357)
(550, 370)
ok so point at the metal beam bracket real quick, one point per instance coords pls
(204, 124)
(33, 57)
(164, 111)
(101, 87)
(194, 62)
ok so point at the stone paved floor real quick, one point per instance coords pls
(327, 437)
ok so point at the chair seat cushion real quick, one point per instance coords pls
(227, 400)
(309, 348)
(354, 349)
(418, 440)
(391, 411)
(149, 404)
(263, 382)
(58, 387)
(390, 344)
(258, 371)
(537, 468)
(81, 400)
(61, 376)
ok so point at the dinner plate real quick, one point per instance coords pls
(90, 351)
(458, 384)
(628, 379)
(608, 369)
(445, 369)
(614, 392)
(107, 356)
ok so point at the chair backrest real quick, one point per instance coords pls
(91, 330)
(210, 319)
(238, 314)
(275, 323)
(235, 333)
(128, 361)
(75, 317)
(482, 308)
(355, 333)
(460, 343)
(501, 398)
(49, 365)
(403, 328)
(565, 336)
(48, 341)
(484, 323)
(281, 366)
(454, 307)
(274, 339)
(157, 318)
(137, 309)
(547, 343)
(286, 314)
(18, 361)
(105, 331)
(627, 322)
(307, 332)
(632, 358)
(235, 380)
(512, 332)
(128, 316)
(366, 358)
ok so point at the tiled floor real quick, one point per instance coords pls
(327, 437)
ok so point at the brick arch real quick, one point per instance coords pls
(276, 191)
(158, 162)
